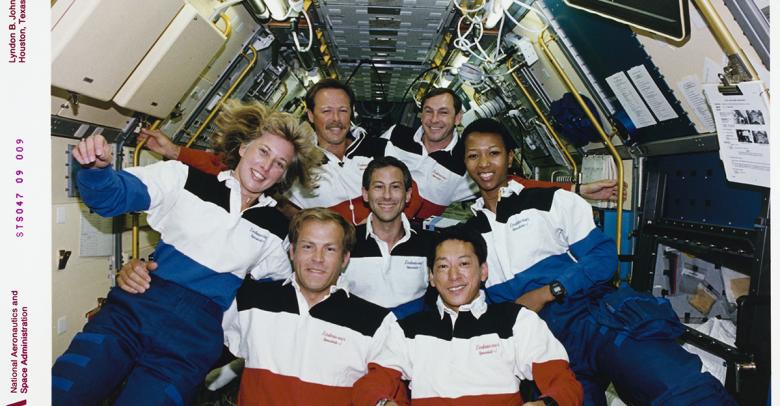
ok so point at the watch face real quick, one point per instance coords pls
(557, 289)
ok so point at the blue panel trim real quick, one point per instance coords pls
(110, 193)
(626, 243)
(71, 358)
(172, 393)
(178, 268)
(696, 187)
(61, 383)
(91, 337)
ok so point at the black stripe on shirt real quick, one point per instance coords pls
(269, 296)
(528, 198)
(269, 218)
(498, 319)
(366, 146)
(403, 138)
(208, 188)
(418, 245)
(479, 223)
(351, 312)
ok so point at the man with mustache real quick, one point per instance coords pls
(347, 149)
(434, 154)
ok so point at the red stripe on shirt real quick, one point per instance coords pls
(508, 399)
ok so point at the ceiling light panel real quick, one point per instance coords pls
(398, 35)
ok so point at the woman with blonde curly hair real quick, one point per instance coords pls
(214, 230)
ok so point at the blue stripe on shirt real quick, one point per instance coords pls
(597, 263)
(176, 267)
(406, 309)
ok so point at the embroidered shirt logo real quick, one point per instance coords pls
(438, 176)
(485, 349)
(518, 224)
(413, 264)
(332, 338)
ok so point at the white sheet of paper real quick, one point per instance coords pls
(694, 95)
(650, 91)
(595, 168)
(630, 100)
(742, 122)
(95, 239)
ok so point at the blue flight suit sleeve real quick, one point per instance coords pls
(595, 253)
(111, 193)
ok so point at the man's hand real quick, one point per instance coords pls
(158, 142)
(134, 276)
(602, 190)
(536, 299)
(93, 152)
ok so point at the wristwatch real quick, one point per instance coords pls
(557, 290)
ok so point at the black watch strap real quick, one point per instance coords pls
(548, 401)
(557, 290)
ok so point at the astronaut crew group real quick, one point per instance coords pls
(309, 335)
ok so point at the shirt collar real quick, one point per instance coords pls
(477, 307)
(404, 224)
(233, 184)
(333, 288)
(512, 187)
(353, 134)
(455, 136)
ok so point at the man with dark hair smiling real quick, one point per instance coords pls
(546, 254)
(465, 351)
(387, 266)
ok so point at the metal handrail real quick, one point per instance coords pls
(227, 94)
(281, 98)
(135, 247)
(228, 25)
(597, 125)
(546, 122)
(723, 35)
